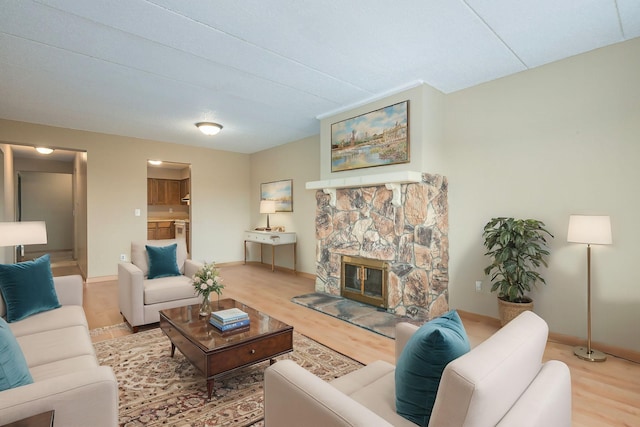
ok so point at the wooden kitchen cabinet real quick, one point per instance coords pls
(157, 230)
(151, 230)
(163, 191)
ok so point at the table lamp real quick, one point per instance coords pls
(592, 230)
(268, 207)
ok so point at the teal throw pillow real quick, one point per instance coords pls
(13, 367)
(162, 261)
(422, 362)
(27, 288)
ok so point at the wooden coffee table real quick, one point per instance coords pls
(215, 353)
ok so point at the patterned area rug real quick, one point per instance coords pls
(357, 313)
(156, 389)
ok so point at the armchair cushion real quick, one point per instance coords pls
(27, 288)
(139, 256)
(13, 366)
(421, 363)
(162, 261)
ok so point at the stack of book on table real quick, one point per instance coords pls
(231, 319)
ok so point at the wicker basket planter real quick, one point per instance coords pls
(510, 310)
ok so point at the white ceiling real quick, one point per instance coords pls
(266, 69)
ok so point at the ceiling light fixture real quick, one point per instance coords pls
(155, 162)
(209, 128)
(44, 150)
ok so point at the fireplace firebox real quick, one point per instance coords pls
(364, 280)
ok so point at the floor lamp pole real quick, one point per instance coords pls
(588, 353)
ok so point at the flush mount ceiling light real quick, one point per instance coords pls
(44, 150)
(155, 162)
(209, 128)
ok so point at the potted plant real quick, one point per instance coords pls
(517, 248)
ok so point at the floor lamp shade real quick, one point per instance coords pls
(589, 230)
(23, 233)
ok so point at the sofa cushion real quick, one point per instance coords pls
(62, 367)
(421, 363)
(139, 256)
(166, 289)
(162, 261)
(56, 345)
(27, 288)
(63, 317)
(13, 366)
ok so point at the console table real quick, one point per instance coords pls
(272, 239)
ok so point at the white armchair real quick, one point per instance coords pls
(501, 382)
(141, 298)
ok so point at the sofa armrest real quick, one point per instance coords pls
(69, 289)
(546, 402)
(84, 398)
(191, 267)
(404, 331)
(131, 293)
(295, 397)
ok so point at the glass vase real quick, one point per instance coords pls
(205, 307)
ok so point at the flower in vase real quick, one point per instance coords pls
(207, 280)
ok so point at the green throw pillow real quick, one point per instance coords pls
(27, 288)
(162, 261)
(13, 367)
(422, 362)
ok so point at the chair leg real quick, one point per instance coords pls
(134, 329)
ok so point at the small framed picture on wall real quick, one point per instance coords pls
(280, 192)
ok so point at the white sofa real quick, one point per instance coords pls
(141, 298)
(501, 382)
(61, 359)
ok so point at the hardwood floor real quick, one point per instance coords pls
(604, 394)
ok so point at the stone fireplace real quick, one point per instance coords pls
(410, 236)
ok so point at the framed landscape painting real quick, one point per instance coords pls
(280, 192)
(377, 138)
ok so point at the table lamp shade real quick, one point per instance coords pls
(589, 229)
(267, 206)
(23, 233)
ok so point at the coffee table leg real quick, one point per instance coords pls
(173, 349)
(209, 388)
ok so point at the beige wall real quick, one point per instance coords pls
(544, 144)
(297, 161)
(48, 197)
(117, 185)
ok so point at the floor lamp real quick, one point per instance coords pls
(23, 233)
(592, 230)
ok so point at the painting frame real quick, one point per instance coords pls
(377, 138)
(279, 191)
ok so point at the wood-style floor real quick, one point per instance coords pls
(604, 394)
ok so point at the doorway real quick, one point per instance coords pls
(169, 201)
(52, 188)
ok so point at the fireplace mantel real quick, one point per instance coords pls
(392, 180)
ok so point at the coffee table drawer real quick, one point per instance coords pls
(251, 352)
